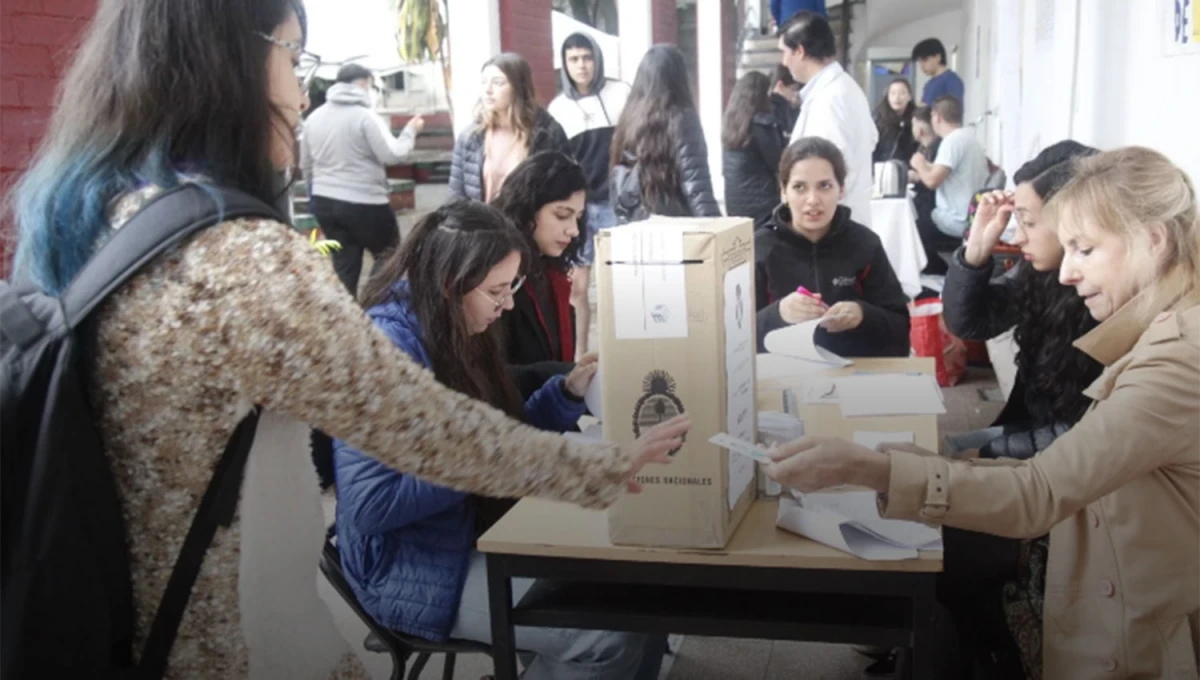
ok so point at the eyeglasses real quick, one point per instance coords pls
(306, 69)
(507, 297)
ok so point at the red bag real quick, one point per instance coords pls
(930, 338)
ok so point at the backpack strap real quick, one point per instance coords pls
(216, 508)
(164, 222)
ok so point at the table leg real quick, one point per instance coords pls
(922, 656)
(504, 646)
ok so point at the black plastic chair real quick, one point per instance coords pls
(384, 641)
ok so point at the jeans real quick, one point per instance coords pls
(557, 653)
(358, 227)
(600, 215)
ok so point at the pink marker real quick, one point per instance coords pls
(808, 293)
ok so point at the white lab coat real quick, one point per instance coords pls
(833, 106)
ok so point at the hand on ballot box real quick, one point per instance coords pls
(655, 447)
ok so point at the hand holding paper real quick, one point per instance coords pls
(815, 463)
(843, 316)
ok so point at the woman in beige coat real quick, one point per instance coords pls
(1119, 493)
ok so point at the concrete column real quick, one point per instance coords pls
(474, 27)
(636, 28)
(711, 67)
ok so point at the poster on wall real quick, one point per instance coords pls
(1181, 26)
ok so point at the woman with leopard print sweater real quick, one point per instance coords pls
(244, 313)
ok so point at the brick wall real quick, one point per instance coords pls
(525, 29)
(37, 38)
(666, 24)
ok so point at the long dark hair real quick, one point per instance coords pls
(447, 256)
(1051, 316)
(524, 110)
(156, 91)
(750, 96)
(886, 118)
(649, 125)
(541, 179)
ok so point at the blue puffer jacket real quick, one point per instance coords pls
(404, 542)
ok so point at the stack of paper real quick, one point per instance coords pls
(849, 521)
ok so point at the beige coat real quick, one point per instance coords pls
(1119, 495)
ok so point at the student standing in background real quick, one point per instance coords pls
(509, 127)
(834, 106)
(344, 152)
(659, 156)
(752, 147)
(930, 55)
(588, 109)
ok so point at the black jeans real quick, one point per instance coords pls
(933, 240)
(358, 226)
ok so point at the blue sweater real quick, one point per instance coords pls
(404, 542)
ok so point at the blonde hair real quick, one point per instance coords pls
(1127, 192)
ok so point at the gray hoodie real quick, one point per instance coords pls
(345, 148)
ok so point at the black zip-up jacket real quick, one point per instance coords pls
(847, 265)
(752, 172)
(466, 165)
(978, 307)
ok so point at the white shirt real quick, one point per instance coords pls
(833, 106)
(960, 152)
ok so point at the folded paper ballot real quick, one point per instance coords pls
(797, 341)
(849, 521)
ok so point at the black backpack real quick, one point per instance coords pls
(67, 598)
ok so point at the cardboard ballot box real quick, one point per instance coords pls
(676, 303)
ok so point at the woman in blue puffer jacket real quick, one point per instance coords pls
(407, 546)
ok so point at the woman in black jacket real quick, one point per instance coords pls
(659, 156)
(893, 118)
(1047, 397)
(812, 243)
(546, 197)
(509, 127)
(753, 145)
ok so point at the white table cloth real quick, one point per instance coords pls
(894, 220)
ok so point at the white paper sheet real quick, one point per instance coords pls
(739, 374)
(593, 398)
(874, 439)
(860, 508)
(649, 282)
(837, 533)
(774, 366)
(797, 341)
(889, 394)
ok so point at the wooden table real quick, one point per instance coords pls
(766, 583)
